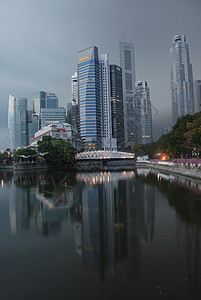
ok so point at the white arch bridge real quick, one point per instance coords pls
(100, 154)
(104, 161)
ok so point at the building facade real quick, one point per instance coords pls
(143, 119)
(39, 101)
(74, 89)
(108, 143)
(59, 131)
(181, 78)
(117, 112)
(53, 116)
(127, 63)
(17, 122)
(89, 98)
(51, 100)
(197, 95)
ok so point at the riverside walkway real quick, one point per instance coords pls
(171, 168)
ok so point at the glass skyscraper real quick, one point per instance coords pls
(181, 78)
(127, 63)
(143, 116)
(51, 100)
(17, 122)
(89, 98)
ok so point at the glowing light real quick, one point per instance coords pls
(2, 183)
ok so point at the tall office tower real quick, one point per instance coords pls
(127, 63)
(72, 115)
(17, 122)
(39, 100)
(197, 95)
(89, 98)
(181, 78)
(108, 143)
(52, 116)
(74, 88)
(51, 100)
(32, 125)
(117, 105)
(142, 105)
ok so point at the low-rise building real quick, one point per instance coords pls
(62, 131)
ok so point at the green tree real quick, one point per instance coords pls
(58, 151)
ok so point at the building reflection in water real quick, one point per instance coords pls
(113, 216)
(40, 201)
(117, 216)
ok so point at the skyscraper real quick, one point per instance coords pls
(197, 95)
(142, 105)
(39, 101)
(74, 89)
(51, 100)
(181, 78)
(89, 98)
(127, 63)
(17, 122)
(117, 105)
(108, 143)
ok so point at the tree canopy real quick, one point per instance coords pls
(58, 151)
(184, 140)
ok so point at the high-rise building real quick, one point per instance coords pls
(32, 125)
(89, 98)
(181, 78)
(117, 105)
(74, 89)
(17, 122)
(72, 115)
(127, 63)
(52, 116)
(39, 101)
(51, 100)
(143, 115)
(108, 143)
(197, 95)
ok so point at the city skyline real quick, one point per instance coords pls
(42, 56)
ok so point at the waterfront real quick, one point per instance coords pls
(131, 235)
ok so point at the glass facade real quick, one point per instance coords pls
(52, 116)
(17, 122)
(117, 105)
(143, 115)
(51, 100)
(89, 98)
(181, 79)
(127, 63)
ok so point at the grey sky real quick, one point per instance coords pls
(40, 40)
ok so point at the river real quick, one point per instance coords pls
(121, 235)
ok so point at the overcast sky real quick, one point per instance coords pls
(40, 40)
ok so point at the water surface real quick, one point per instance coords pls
(131, 235)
